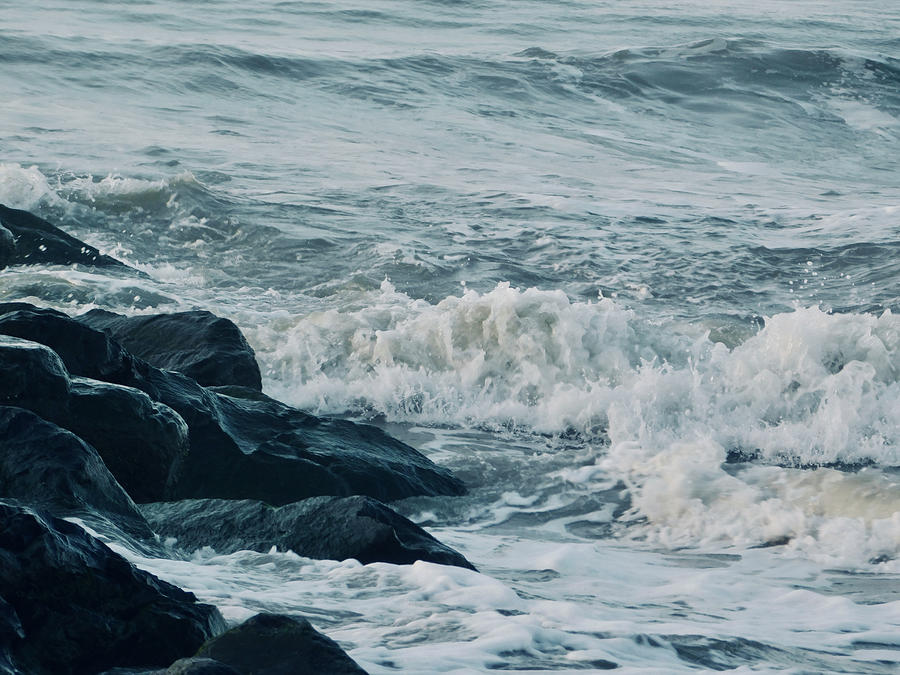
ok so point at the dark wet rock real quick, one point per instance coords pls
(188, 666)
(10, 633)
(207, 348)
(290, 455)
(50, 468)
(333, 528)
(85, 351)
(37, 242)
(84, 608)
(141, 441)
(7, 247)
(243, 444)
(200, 666)
(272, 644)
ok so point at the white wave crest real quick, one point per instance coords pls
(810, 389)
(25, 187)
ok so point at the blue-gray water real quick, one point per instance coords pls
(627, 267)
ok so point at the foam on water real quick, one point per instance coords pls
(562, 607)
(704, 168)
(717, 445)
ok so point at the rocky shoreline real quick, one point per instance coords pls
(150, 428)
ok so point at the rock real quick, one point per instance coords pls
(199, 344)
(49, 468)
(7, 247)
(272, 644)
(39, 242)
(332, 528)
(85, 351)
(141, 441)
(10, 633)
(243, 444)
(290, 455)
(83, 608)
(200, 666)
(189, 666)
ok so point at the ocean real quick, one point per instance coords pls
(630, 269)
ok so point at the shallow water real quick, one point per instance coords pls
(627, 268)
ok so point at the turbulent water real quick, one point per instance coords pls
(628, 268)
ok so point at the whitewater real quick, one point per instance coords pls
(630, 269)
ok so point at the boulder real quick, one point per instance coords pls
(83, 608)
(272, 644)
(49, 468)
(288, 455)
(85, 351)
(243, 444)
(207, 348)
(39, 242)
(332, 528)
(141, 441)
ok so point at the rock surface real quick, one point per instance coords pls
(199, 344)
(288, 455)
(83, 608)
(49, 468)
(199, 666)
(333, 528)
(142, 442)
(11, 633)
(271, 644)
(39, 242)
(243, 444)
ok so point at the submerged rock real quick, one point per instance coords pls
(39, 242)
(49, 468)
(243, 444)
(83, 608)
(199, 344)
(272, 644)
(333, 528)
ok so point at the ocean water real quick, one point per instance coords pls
(631, 269)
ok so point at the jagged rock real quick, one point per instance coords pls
(50, 468)
(39, 242)
(243, 444)
(83, 608)
(272, 644)
(291, 455)
(334, 528)
(7, 247)
(142, 442)
(199, 344)
(200, 666)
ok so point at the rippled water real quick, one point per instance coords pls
(627, 268)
